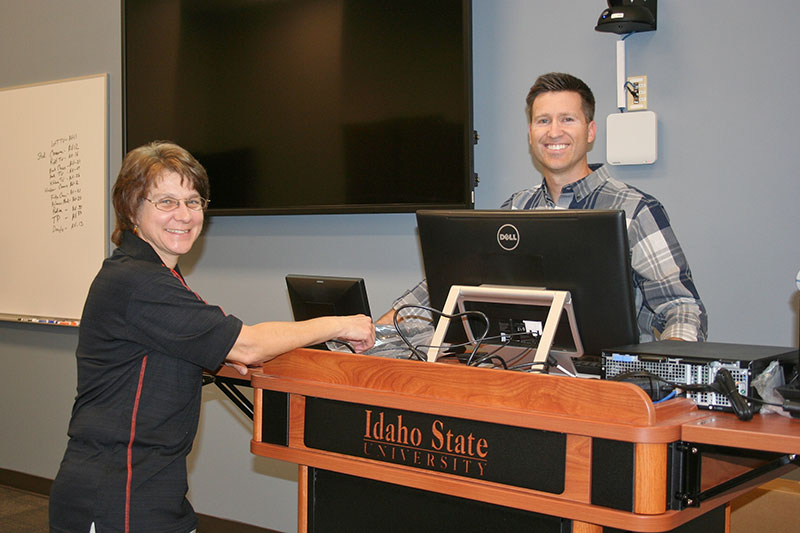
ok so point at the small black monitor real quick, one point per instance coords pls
(316, 296)
(584, 252)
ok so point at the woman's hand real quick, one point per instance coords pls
(241, 368)
(358, 331)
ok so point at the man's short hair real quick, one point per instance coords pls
(557, 82)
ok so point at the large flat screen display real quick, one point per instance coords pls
(308, 106)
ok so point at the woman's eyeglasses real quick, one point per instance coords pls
(171, 204)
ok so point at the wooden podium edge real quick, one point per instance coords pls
(587, 399)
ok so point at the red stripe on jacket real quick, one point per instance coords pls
(130, 446)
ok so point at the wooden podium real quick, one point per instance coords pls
(391, 445)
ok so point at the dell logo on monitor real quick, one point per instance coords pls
(508, 237)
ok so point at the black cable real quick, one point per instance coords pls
(760, 401)
(472, 359)
(489, 358)
(529, 365)
(344, 343)
(647, 381)
(507, 339)
(418, 354)
(723, 384)
(647, 374)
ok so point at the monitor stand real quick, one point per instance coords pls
(557, 301)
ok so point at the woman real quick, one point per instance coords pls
(144, 341)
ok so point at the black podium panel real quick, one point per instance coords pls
(343, 503)
(275, 417)
(521, 457)
(613, 473)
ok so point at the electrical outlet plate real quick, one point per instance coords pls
(639, 85)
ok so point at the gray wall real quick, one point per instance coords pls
(724, 93)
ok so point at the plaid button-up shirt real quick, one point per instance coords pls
(667, 302)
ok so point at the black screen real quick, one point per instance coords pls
(316, 296)
(584, 252)
(307, 106)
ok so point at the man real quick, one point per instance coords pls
(560, 110)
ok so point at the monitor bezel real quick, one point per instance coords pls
(346, 295)
(592, 245)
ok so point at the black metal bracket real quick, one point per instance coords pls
(229, 387)
(687, 467)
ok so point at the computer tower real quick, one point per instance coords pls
(689, 363)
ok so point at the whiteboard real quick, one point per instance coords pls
(53, 159)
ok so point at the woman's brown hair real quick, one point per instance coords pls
(141, 168)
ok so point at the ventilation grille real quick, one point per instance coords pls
(683, 373)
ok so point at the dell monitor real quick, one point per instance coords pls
(584, 252)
